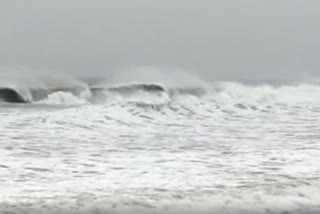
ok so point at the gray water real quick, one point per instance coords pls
(241, 149)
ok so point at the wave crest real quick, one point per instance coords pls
(222, 92)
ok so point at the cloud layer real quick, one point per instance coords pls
(248, 40)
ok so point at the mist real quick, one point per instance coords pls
(215, 40)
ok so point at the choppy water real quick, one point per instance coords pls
(239, 149)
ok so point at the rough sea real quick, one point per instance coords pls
(223, 148)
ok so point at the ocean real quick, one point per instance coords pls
(221, 147)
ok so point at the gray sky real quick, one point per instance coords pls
(226, 39)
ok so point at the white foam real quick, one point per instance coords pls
(231, 91)
(174, 202)
(65, 98)
(192, 153)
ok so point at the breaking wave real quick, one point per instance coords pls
(221, 92)
(153, 147)
(143, 85)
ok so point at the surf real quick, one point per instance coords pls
(14, 95)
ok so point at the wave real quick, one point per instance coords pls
(11, 95)
(151, 93)
(16, 95)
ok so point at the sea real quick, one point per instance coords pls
(224, 147)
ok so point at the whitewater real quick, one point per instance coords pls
(221, 147)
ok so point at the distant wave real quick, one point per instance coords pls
(11, 95)
(14, 95)
(221, 92)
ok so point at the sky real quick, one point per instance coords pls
(225, 39)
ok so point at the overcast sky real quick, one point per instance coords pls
(230, 39)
